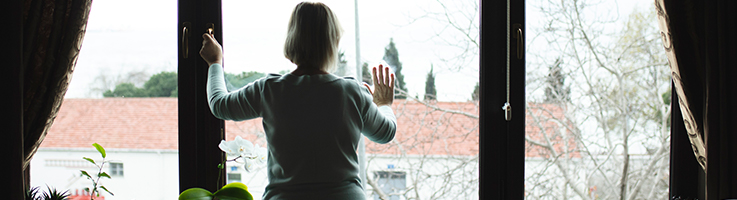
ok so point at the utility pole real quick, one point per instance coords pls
(359, 76)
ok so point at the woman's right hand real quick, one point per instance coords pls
(383, 85)
(211, 50)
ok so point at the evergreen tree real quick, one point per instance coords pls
(475, 94)
(342, 68)
(430, 92)
(366, 74)
(556, 91)
(391, 57)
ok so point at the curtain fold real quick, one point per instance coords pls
(679, 31)
(53, 34)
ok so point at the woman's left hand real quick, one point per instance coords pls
(211, 50)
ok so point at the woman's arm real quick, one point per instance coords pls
(239, 105)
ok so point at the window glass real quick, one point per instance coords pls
(234, 177)
(116, 169)
(598, 101)
(122, 96)
(431, 45)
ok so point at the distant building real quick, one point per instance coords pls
(140, 135)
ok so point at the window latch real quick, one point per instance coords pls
(507, 111)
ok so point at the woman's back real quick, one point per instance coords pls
(312, 124)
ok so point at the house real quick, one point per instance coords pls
(140, 136)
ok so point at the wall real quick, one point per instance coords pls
(148, 174)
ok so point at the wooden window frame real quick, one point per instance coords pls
(199, 131)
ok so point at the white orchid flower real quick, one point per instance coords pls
(245, 152)
(237, 147)
(261, 155)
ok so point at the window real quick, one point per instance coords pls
(125, 45)
(597, 103)
(116, 169)
(234, 177)
(392, 183)
(438, 135)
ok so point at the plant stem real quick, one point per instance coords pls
(220, 171)
(94, 183)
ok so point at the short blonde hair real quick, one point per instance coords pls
(313, 36)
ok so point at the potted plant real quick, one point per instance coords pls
(245, 153)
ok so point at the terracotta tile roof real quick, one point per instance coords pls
(430, 130)
(151, 123)
(127, 123)
(546, 124)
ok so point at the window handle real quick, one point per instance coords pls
(507, 111)
(517, 28)
(210, 28)
(185, 39)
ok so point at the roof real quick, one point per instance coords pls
(151, 123)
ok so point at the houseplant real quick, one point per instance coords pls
(245, 153)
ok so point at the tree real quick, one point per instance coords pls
(342, 68)
(391, 57)
(237, 81)
(433, 169)
(163, 84)
(556, 91)
(430, 92)
(610, 140)
(105, 82)
(126, 90)
(475, 94)
(366, 74)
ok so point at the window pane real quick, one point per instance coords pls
(436, 147)
(121, 98)
(598, 95)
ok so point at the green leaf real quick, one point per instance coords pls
(100, 149)
(85, 173)
(195, 194)
(108, 191)
(233, 193)
(90, 159)
(104, 174)
(237, 185)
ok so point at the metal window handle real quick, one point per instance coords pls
(210, 28)
(185, 39)
(520, 40)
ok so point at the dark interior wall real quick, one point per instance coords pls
(11, 104)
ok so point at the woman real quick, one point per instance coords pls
(313, 119)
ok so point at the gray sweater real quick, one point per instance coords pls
(313, 124)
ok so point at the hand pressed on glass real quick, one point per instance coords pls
(383, 85)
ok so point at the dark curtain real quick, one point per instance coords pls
(52, 37)
(699, 37)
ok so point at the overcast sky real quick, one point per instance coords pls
(253, 40)
(254, 33)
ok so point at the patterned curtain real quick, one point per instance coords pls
(53, 31)
(681, 37)
(700, 38)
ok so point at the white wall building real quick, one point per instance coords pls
(140, 136)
